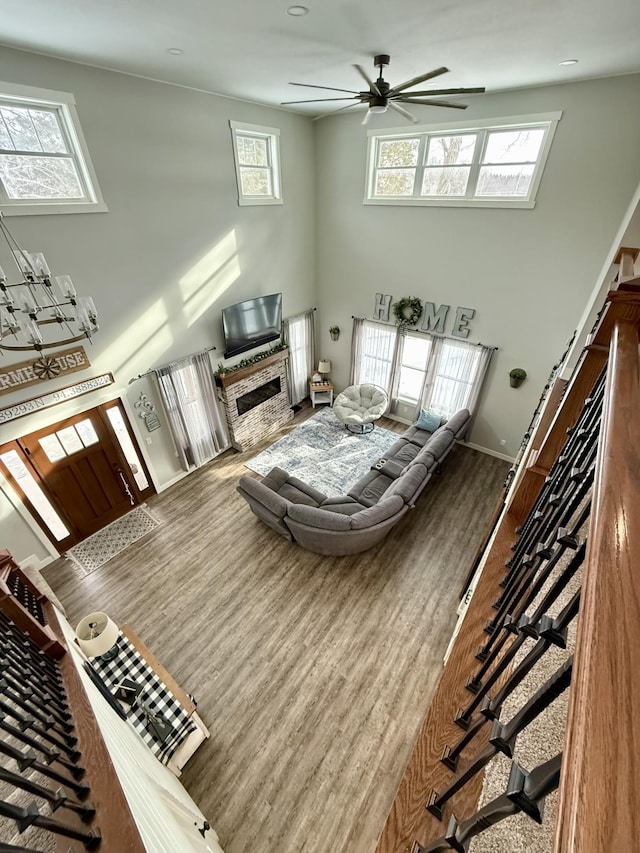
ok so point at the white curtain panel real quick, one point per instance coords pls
(379, 355)
(299, 335)
(189, 398)
(454, 377)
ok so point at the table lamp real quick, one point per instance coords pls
(98, 635)
(324, 368)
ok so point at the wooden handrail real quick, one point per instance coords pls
(600, 789)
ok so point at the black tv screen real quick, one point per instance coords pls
(250, 324)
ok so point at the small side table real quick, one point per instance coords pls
(321, 392)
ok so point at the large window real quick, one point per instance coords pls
(491, 164)
(257, 157)
(44, 163)
(428, 371)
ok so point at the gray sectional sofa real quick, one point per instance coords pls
(354, 522)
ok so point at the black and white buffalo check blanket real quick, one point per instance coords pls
(155, 694)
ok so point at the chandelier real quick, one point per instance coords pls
(37, 312)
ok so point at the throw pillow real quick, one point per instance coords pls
(428, 421)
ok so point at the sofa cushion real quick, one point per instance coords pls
(317, 517)
(375, 514)
(438, 444)
(370, 488)
(263, 495)
(417, 436)
(402, 451)
(292, 489)
(291, 493)
(405, 487)
(343, 504)
(458, 422)
(428, 420)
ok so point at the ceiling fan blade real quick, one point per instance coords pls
(372, 86)
(333, 112)
(330, 88)
(428, 103)
(429, 92)
(395, 106)
(366, 118)
(316, 101)
(421, 79)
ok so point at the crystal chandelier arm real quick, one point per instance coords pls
(37, 294)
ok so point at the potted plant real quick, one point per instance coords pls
(517, 377)
(334, 331)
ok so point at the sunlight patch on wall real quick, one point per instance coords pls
(210, 277)
(150, 331)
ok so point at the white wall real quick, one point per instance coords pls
(174, 247)
(528, 273)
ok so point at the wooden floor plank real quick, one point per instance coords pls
(312, 673)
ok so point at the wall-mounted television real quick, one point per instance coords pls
(250, 324)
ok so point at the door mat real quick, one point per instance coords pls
(98, 549)
(324, 454)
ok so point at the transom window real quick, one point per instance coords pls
(491, 164)
(257, 157)
(44, 164)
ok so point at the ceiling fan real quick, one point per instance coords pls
(381, 95)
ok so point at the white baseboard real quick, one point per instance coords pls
(487, 451)
(33, 562)
(173, 481)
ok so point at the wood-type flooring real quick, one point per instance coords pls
(313, 673)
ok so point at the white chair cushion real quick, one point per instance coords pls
(360, 404)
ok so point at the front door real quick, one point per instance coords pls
(88, 468)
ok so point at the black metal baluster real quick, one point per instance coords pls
(526, 792)
(49, 753)
(550, 632)
(31, 816)
(27, 758)
(56, 799)
(503, 736)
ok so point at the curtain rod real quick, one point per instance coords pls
(177, 361)
(433, 334)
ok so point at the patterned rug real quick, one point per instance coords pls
(94, 552)
(324, 454)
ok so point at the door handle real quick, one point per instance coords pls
(127, 488)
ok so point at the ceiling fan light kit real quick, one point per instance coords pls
(380, 95)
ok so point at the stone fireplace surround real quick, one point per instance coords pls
(248, 429)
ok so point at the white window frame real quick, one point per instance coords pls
(63, 104)
(546, 121)
(272, 137)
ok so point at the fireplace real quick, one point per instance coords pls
(258, 395)
(256, 399)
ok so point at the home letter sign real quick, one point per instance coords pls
(381, 308)
(461, 325)
(434, 321)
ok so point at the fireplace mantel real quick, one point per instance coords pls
(233, 376)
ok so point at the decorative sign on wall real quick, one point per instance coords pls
(382, 306)
(17, 376)
(35, 404)
(432, 320)
(148, 412)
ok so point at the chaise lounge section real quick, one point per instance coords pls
(351, 523)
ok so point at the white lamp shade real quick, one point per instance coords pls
(324, 366)
(96, 634)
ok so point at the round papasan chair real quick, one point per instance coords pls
(358, 406)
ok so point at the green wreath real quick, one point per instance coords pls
(407, 311)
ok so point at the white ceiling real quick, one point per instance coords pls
(253, 49)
